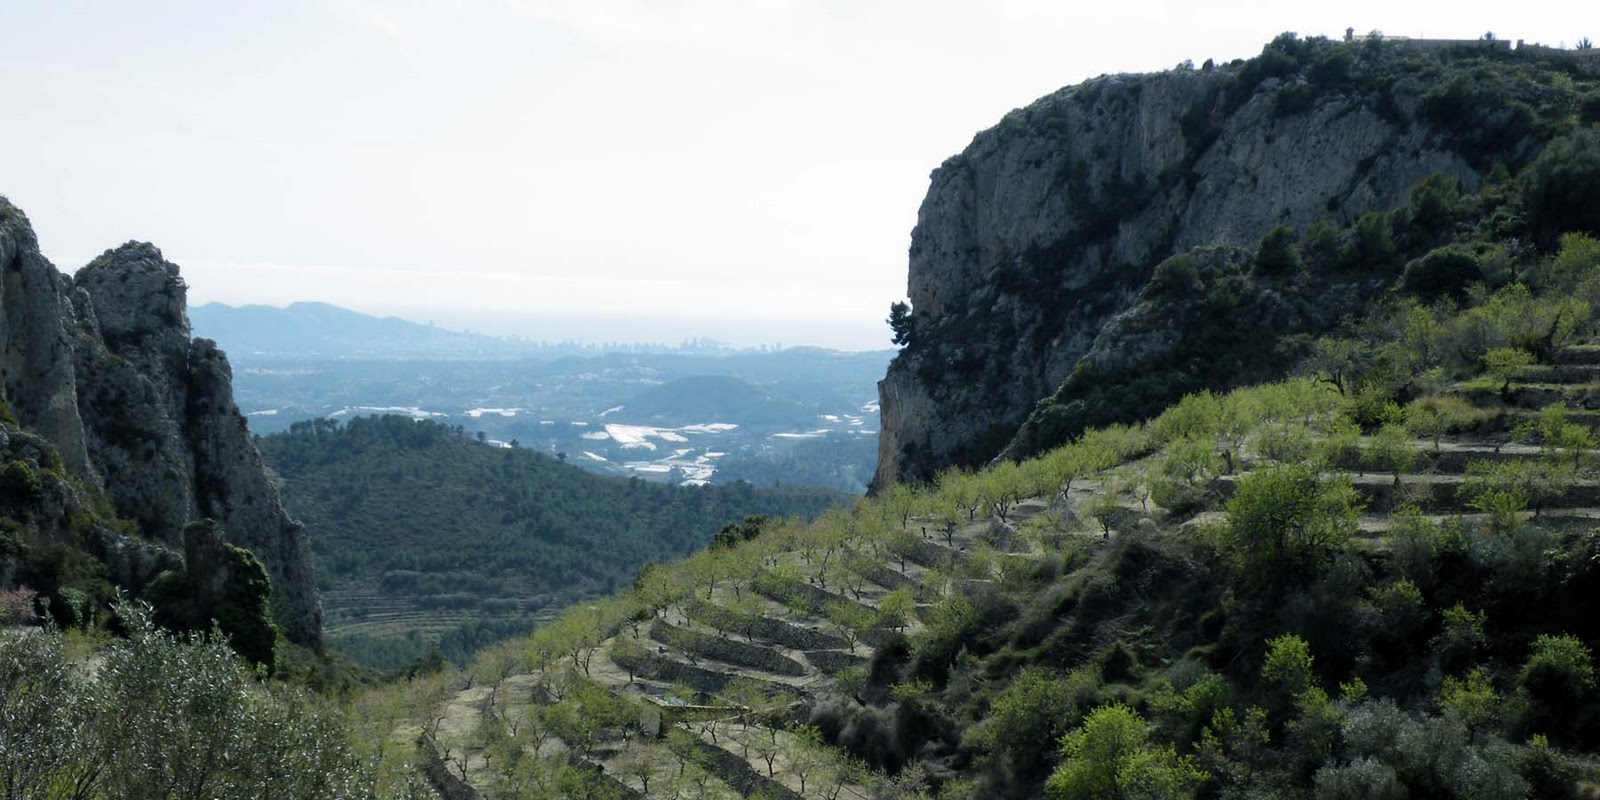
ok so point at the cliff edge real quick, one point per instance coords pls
(101, 367)
(1035, 247)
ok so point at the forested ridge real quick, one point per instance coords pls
(416, 524)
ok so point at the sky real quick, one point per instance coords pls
(589, 169)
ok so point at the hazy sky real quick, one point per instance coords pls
(759, 162)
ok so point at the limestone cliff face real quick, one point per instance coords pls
(1048, 226)
(102, 366)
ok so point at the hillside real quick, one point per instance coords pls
(1036, 304)
(421, 533)
(1373, 581)
(1369, 581)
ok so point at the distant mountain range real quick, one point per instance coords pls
(328, 331)
(311, 330)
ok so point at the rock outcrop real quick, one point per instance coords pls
(102, 367)
(1049, 225)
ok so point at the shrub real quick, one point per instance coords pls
(1434, 202)
(1284, 522)
(1178, 277)
(1321, 245)
(1558, 678)
(1110, 757)
(1577, 258)
(1401, 614)
(1460, 640)
(21, 481)
(1561, 188)
(1373, 244)
(1036, 710)
(1472, 699)
(1276, 253)
(16, 605)
(1447, 271)
(161, 712)
(1364, 778)
(1288, 664)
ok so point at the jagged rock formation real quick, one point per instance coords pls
(102, 367)
(1033, 240)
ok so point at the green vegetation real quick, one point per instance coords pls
(1373, 580)
(425, 536)
(1369, 581)
(1239, 317)
(168, 716)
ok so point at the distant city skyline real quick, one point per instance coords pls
(735, 168)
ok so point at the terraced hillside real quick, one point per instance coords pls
(1251, 582)
(1371, 581)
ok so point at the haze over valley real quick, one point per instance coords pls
(691, 413)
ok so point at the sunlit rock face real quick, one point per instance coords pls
(1034, 239)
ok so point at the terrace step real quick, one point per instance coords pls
(769, 629)
(728, 651)
(1437, 493)
(1561, 373)
(1578, 354)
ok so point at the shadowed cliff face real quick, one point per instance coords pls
(102, 366)
(1049, 226)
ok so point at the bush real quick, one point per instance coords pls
(165, 711)
(1561, 188)
(1110, 757)
(1288, 664)
(1373, 245)
(21, 482)
(1577, 258)
(1034, 712)
(1559, 679)
(16, 605)
(1362, 779)
(1178, 276)
(1434, 202)
(1445, 272)
(1321, 245)
(1284, 523)
(1276, 253)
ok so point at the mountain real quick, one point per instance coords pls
(1033, 263)
(423, 534)
(323, 331)
(114, 411)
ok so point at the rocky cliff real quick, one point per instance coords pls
(1046, 230)
(102, 368)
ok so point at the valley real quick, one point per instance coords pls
(692, 414)
(425, 536)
